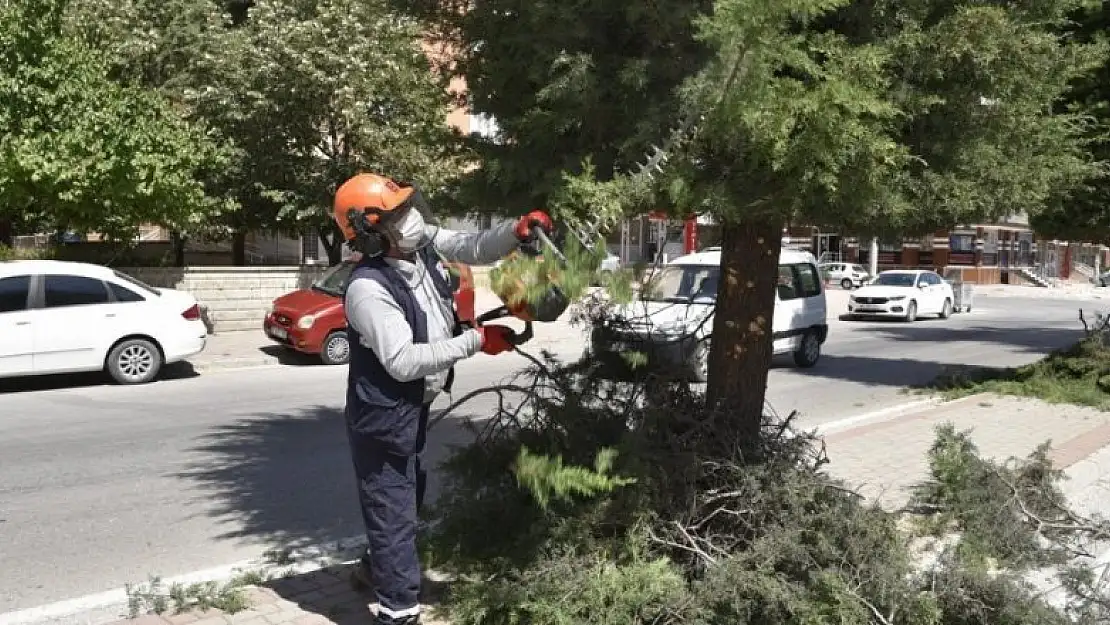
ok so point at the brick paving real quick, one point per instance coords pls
(883, 458)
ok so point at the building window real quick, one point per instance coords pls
(962, 242)
(798, 280)
(890, 246)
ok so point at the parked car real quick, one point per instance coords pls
(673, 319)
(847, 275)
(610, 265)
(905, 294)
(311, 321)
(66, 317)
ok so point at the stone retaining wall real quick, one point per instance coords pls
(237, 298)
(234, 298)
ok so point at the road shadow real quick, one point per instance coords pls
(1039, 339)
(28, 384)
(287, 480)
(292, 357)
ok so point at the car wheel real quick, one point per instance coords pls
(911, 312)
(699, 364)
(946, 311)
(336, 349)
(809, 350)
(134, 361)
(846, 284)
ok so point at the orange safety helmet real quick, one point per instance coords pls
(371, 196)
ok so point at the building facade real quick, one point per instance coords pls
(1004, 252)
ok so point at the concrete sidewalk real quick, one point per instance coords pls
(883, 456)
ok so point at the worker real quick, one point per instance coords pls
(405, 338)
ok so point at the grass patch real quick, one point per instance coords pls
(1077, 375)
(154, 597)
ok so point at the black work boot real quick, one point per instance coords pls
(361, 581)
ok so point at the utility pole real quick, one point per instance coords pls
(873, 269)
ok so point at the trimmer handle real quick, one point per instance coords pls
(518, 338)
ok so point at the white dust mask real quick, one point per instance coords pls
(409, 232)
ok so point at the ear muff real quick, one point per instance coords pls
(368, 240)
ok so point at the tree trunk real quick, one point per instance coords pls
(333, 244)
(7, 232)
(177, 240)
(239, 249)
(741, 347)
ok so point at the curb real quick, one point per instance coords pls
(234, 364)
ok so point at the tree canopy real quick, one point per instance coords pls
(81, 151)
(304, 93)
(1084, 215)
(871, 116)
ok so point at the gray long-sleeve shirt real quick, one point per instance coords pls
(381, 323)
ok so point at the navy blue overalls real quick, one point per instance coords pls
(387, 423)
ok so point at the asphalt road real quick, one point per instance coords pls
(103, 485)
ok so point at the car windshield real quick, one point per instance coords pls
(334, 279)
(895, 279)
(683, 283)
(135, 281)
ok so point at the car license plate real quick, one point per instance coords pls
(279, 333)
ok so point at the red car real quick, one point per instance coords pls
(311, 321)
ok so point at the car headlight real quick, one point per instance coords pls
(306, 322)
(898, 298)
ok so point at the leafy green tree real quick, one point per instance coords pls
(307, 92)
(81, 151)
(1084, 214)
(877, 116)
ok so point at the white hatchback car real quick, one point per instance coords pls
(903, 294)
(847, 275)
(65, 317)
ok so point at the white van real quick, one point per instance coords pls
(672, 320)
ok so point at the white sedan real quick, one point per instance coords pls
(903, 294)
(64, 317)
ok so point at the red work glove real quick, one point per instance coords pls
(534, 218)
(496, 339)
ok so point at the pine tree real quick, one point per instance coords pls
(871, 117)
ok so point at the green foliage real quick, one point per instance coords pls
(991, 505)
(80, 151)
(1082, 215)
(696, 533)
(523, 278)
(546, 478)
(7, 253)
(1079, 375)
(638, 590)
(306, 93)
(154, 597)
